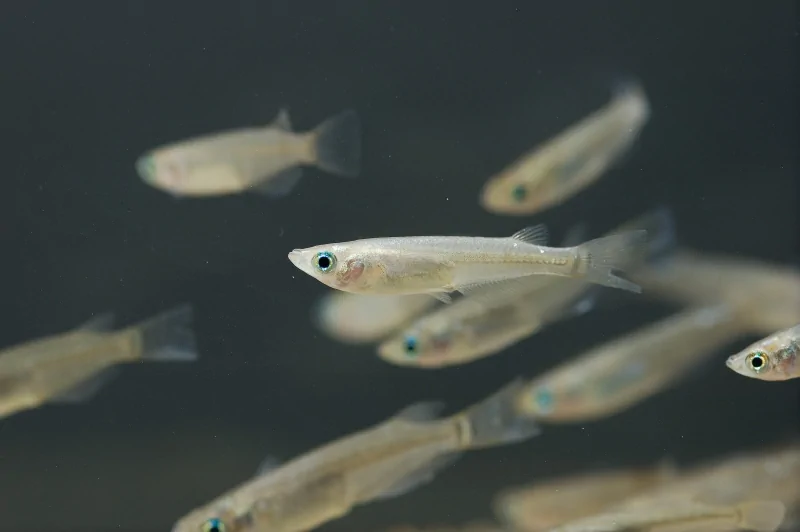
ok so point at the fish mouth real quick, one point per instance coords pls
(295, 256)
(146, 168)
(730, 362)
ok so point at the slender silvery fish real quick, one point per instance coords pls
(775, 358)
(570, 162)
(266, 160)
(618, 374)
(437, 265)
(381, 462)
(71, 367)
(359, 318)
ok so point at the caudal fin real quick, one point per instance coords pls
(761, 516)
(495, 420)
(168, 336)
(661, 235)
(612, 253)
(337, 143)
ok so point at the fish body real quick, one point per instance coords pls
(72, 366)
(570, 162)
(437, 265)
(265, 160)
(381, 462)
(616, 375)
(774, 358)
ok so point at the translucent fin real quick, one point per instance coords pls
(495, 420)
(614, 252)
(418, 477)
(101, 323)
(667, 470)
(661, 235)
(444, 297)
(282, 120)
(280, 184)
(87, 388)
(535, 234)
(168, 336)
(269, 465)
(761, 516)
(337, 144)
(575, 235)
(504, 290)
(421, 412)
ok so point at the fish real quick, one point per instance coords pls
(765, 295)
(567, 164)
(439, 265)
(265, 160)
(774, 358)
(72, 367)
(381, 462)
(547, 504)
(616, 375)
(359, 318)
(502, 314)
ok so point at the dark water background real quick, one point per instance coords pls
(448, 93)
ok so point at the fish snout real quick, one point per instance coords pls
(295, 256)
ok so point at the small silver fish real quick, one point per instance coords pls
(570, 162)
(381, 462)
(266, 160)
(438, 265)
(71, 367)
(775, 358)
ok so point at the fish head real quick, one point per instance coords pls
(340, 266)
(206, 520)
(513, 193)
(426, 344)
(757, 362)
(163, 169)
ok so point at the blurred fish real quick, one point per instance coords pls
(547, 504)
(775, 358)
(381, 462)
(72, 367)
(266, 160)
(570, 162)
(618, 374)
(360, 318)
(437, 265)
(766, 296)
(502, 314)
(476, 526)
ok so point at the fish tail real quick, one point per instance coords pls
(337, 144)
(496, 421)
(661, 235)
(761, 516)
(168, 336)
(604, 255)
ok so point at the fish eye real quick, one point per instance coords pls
(213, 525)
(324, 261)
(410, 346)
(758, 361)
(519, 193)
(544, 400)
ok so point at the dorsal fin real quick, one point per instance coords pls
(421, 412)
(100, 323)
(282, 120)
(535, 234)
(267, 466)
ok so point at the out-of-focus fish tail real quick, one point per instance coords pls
(603, 256)
(761, 516)
(496, 421)
(337, 144)
(168, 336)
(661, 235)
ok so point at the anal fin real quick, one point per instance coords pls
(280, 184)
(418, 477)
(87, 388)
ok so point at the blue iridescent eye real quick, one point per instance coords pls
(324, 261)
(213, 525)
(410, 345)
(519, 193)
(544, 400)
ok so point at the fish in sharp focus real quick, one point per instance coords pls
(438, 265)
(381, 462)
(359, 318)
(71, 367)
(774, 358)
(570, 162)
(266, 160)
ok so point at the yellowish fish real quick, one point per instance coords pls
(618, 374)
(547, 504)
(576, 158)
(775, 358)
(359, 318)
(266, 160)
(378, 463)
(438, 265)
(71, 367)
